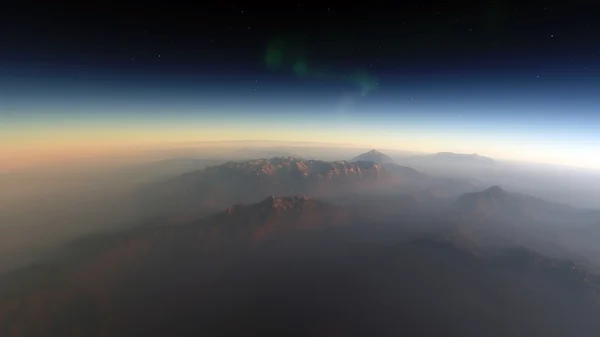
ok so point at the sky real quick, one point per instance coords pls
(511, 81)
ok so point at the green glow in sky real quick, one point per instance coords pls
(286, 55)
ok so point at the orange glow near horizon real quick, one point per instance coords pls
(50, 145)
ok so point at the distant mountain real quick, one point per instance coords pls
(449, 162)
(491, 218)
(461, 157)
(496, 202)
(249, 153)
(374, 156)
(493, 202)
(497, 218)
(250, 181)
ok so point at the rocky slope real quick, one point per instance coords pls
(247, 182)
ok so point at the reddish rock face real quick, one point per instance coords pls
(252, 181)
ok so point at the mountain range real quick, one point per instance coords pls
(451, 158)
(290, 246)
(249, 181)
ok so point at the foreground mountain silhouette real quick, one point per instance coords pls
(374, 156)
(290, 266)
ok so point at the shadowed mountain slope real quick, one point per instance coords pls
(288, 266)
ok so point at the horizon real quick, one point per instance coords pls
(423, 169)
(134, 154)
(441, 83)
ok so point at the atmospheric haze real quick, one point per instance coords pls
(298, 242)
(420, 170)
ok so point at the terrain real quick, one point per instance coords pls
(248, 181)
(301, 247)
(295, 266)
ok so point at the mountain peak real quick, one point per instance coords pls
(495, 191)
(275, 203)
(491, 202)
(374, 156)
(492, 194)
(286, 203)
(275, 215)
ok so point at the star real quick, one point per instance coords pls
(551, 35)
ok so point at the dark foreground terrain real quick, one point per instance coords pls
(295, 266)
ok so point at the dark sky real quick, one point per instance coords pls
(450, 36)
(519, 75)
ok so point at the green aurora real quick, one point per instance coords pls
(283, 54)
